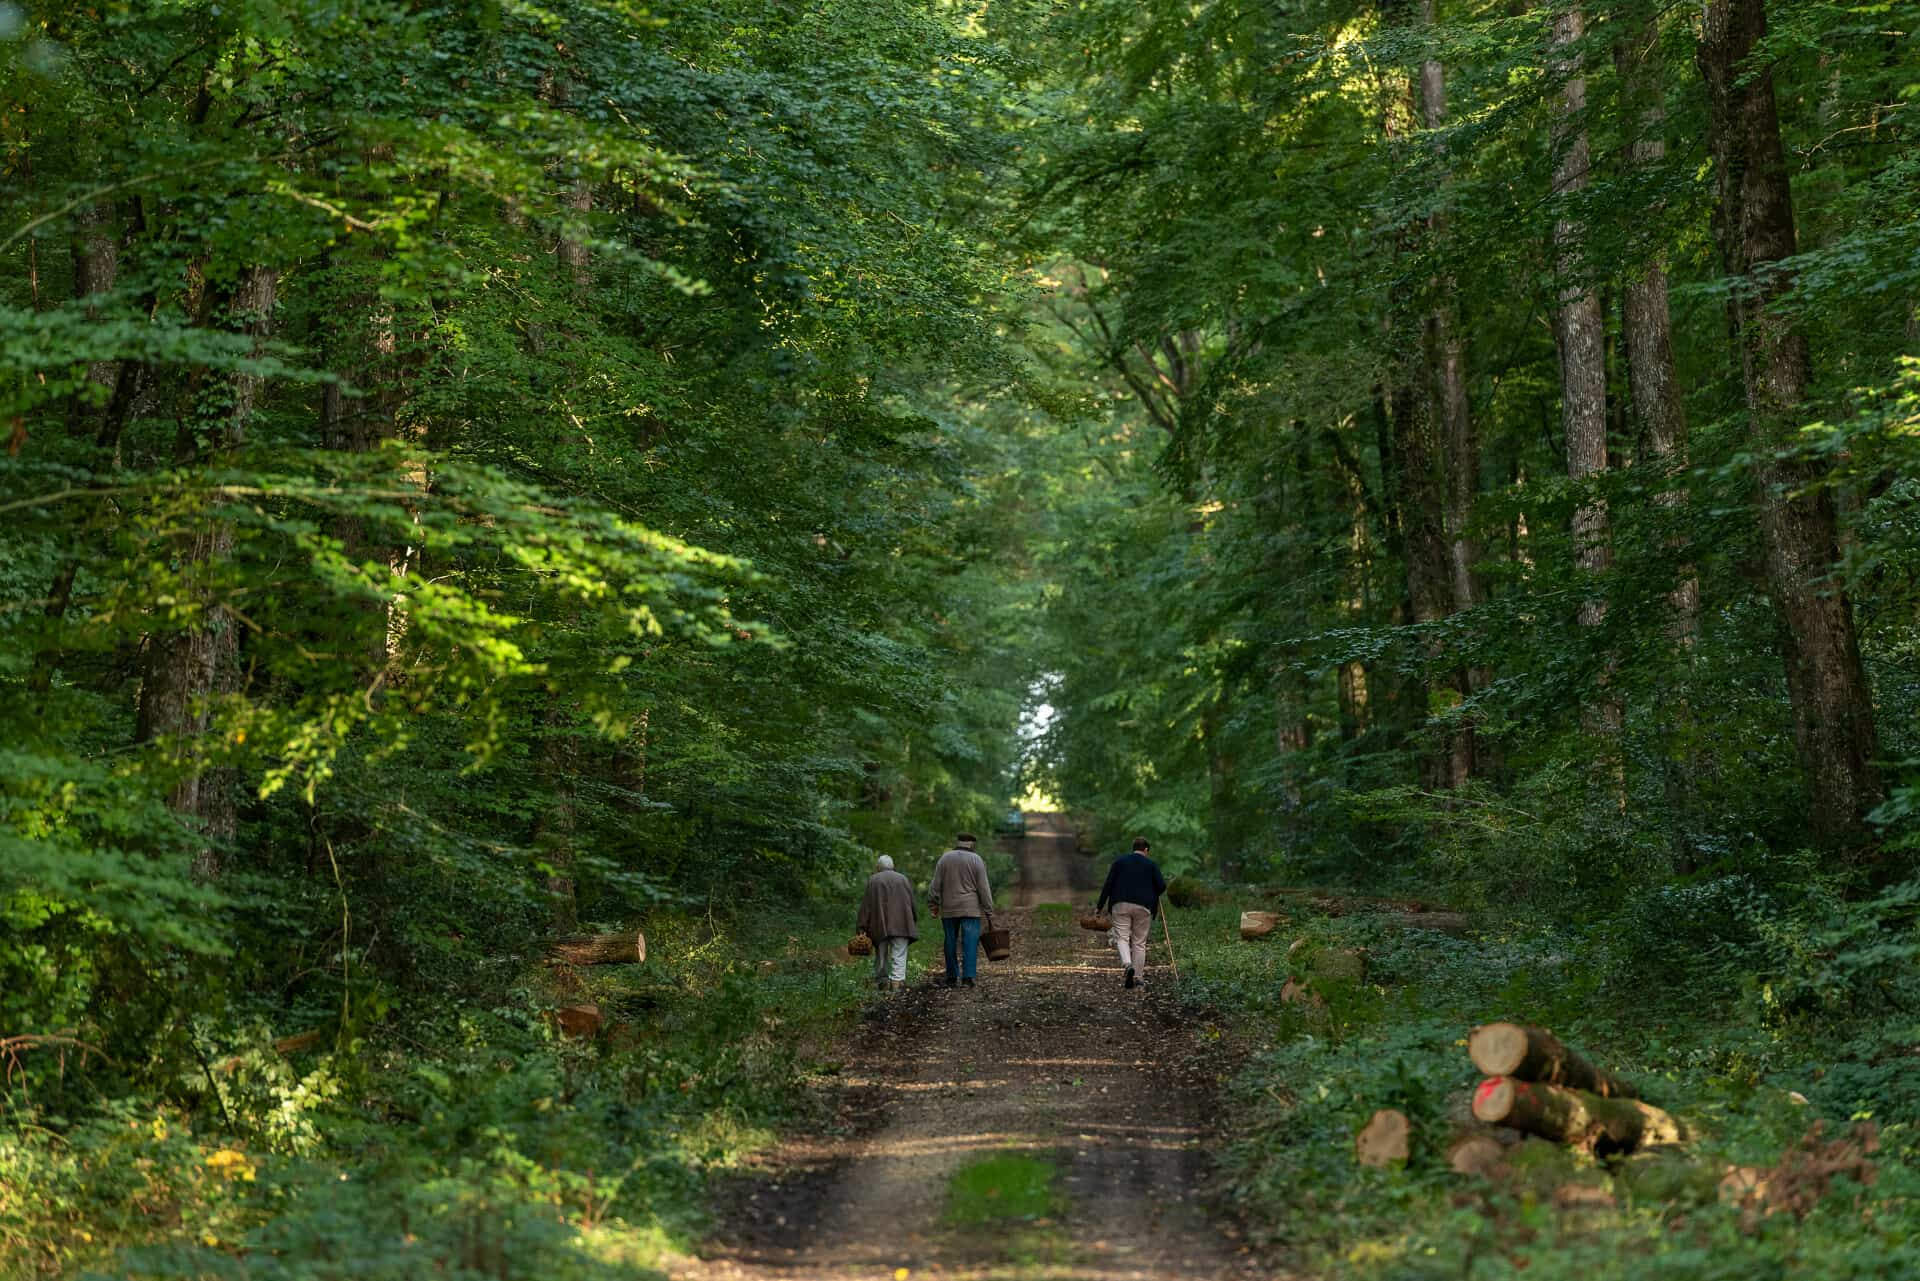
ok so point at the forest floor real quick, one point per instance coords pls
(1048, 1123)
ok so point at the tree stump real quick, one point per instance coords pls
(1257, 925)
(1385, 1140)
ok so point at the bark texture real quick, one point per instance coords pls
(188, 667)
(1574, 1117)
(1833, 720)
(622, 947)
(1535, 1054)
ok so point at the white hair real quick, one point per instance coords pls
(886, 863)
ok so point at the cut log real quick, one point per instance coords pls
(1583, 1196)
(1535, 1054)
(1477, 1154)
(628, 947)
(578, 1020)
(297, 1042)
(1574, 1117)
(1442, 922)
(1384, 1140)
(1257, 925)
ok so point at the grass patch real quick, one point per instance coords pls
(1041, 910)
(1004, 1187)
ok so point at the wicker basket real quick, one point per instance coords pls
(860, 945)
(997, 943)
(1096, 921)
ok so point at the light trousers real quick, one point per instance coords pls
(1132, 926)
(890, 960)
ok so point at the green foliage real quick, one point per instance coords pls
(1002, 1187)
(1747, 1088)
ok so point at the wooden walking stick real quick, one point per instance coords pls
(1167, 933)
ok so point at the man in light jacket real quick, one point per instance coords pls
(960, 896)
(890, 917)
(1134, 886)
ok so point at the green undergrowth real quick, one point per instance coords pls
(1749, 1066)
(479, 1144)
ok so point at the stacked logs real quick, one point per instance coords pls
(1536, 1085)
(1534, 1088)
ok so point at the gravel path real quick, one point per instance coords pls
(1049, 1056)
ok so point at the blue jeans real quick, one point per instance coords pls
(963, 936)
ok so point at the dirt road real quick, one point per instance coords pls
(1048, 1058)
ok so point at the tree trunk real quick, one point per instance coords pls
(96, 268)
(1580, 333)
(1446, 353)
(557, 828)
(1459, 444)
(1413, 471)
(1647, 327)
(1832, 706)
(187, 668)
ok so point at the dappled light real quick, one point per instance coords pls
(1359, 564)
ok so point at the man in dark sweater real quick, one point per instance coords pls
(1133, 889)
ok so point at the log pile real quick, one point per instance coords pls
(1535, 1054)
(1538, 1086)
(1535, 1089)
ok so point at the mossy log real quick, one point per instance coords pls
(1535, 1054)
(1341, 964)
(1257, 925)
(627, 947)
(1574, 1117)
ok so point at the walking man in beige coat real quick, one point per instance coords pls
(890, 917)
(960, 895)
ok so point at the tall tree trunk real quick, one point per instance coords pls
(1411, 468)
(188, 667)
(1660, 412)
(1459, 444)
(1579, 327)
(1646, 316)
(96, 268)
(1446, 351)
(1826, 681)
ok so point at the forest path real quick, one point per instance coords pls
(1048, 1058)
